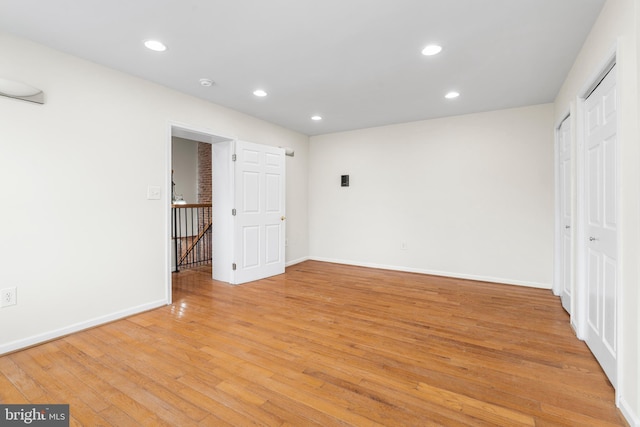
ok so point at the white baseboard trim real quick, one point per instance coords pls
(632, 418)
(437, 273)
(297, 261)
(57, 333)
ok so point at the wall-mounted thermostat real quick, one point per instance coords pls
(344, 181)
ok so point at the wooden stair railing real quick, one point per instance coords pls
(194, 243)
(190, 225)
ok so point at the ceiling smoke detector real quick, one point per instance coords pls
(206, 82)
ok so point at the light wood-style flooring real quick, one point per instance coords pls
(325, 345)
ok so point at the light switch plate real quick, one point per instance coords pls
(153, 192)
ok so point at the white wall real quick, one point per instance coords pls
(80, 240)
(617, 31)
(184, 162)
(470, 196)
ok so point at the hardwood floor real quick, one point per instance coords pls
(327, 345)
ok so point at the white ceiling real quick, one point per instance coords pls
(357, 63)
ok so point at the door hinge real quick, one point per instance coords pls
(234, 157)
(233, 212)
(233, 266)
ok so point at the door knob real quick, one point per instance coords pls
(282, 218)
(591, 239)
(567, 226)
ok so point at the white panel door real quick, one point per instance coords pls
(564, 171)
(259, 225)
(601, 225)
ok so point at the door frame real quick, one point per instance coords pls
(194, 133)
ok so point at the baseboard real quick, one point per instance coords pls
(297, 261)
(437, 273)
(631, 417)
(57, 333)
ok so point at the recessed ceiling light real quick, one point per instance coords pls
(260, 93)
(155, 45)
(316, 118)
(206, 82)
(432, 49)
(452, 95)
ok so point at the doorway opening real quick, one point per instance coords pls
(191, 214)
(190, 182)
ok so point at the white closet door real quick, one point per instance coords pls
(564, 172)
(601, 227)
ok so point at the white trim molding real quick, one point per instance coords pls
(497, 280)
(297, 261)
(631, 417)
(67, 330)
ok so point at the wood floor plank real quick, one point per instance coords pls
(326, 345)
(9, 393)
(63, 372)
(218, 403)
(474, 407)
(55, 390)
(18, 385)
(114, 416)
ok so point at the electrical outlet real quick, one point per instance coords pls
(7, 297)
(403, 246)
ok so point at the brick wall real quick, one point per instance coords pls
(204, 172)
